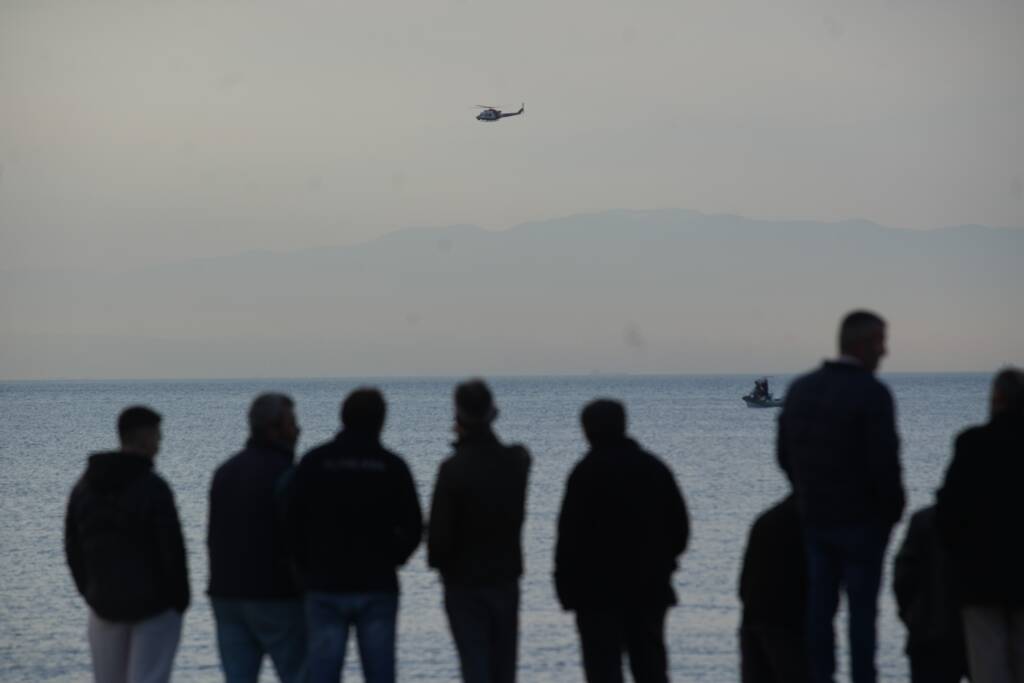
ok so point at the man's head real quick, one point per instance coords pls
(272, 418)
(474, 405)
(1008, 392)
(138, 429)
(604, 421)
(363, 411)
(862, 336)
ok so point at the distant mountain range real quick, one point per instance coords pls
(619, 291)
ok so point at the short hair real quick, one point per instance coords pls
(856, 327)
(474, 403)
(267, 411)
(135, 418)
(603, 420)
(1008, 384)
(363, 410)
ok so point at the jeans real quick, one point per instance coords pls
(850, 556)
(328, 618)
(605, 635)
(485, 626)
(772, 655)
(249, 629)
(134, 651)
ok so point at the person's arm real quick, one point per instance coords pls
(908, 568)
(952, 506)
(567, 547)
(882, 453)
(73, 547)
(441, 525)
(171, 547)
(676, 515)
(408, 515)
(781, 447)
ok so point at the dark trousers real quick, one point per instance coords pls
(605, 634)
(485, 626)
(772, 655)
(945, 663)
(849, 557)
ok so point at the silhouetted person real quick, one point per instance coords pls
(981, 518)
(127, 555)
(773, 590)
(837, 441)
(622, 525)
(923, 583)
(257, 606)
(474, 540)
(354, 518)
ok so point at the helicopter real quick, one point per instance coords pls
(494, 114)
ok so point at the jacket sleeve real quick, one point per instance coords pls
(882, 450)
(409, 516)
(907, 569)
(781, 451)
(952, 499)
(73, 547)
(441, 526)
(171, 547)
(677, 516)
(571, 519)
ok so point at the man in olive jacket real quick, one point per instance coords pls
(474, 540)
(126, 553)
(622, 526)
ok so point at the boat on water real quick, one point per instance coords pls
(761, 396)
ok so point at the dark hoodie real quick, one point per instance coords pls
(623, 524)
(123, 539)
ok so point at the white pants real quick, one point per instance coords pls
(995, 644)
(134, 651)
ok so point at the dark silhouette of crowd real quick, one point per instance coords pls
(301, 554)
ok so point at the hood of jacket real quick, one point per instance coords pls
(115, 470)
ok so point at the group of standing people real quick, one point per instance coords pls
(959, 573)
(302, 554)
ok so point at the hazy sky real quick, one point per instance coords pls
(143, 132)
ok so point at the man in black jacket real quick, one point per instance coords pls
(476, 522)
(925, 593)
(981, 518)
(773, 590)
(354, 518)
(126, 552)
(256, 603)
(622, 525)
(837, 442)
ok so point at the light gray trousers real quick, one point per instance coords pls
(135, 651)
(995, 644)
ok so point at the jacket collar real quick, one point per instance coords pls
(261, 443)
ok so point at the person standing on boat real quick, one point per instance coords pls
(981, 518)
(256, 603)
(622, 526)
(837, 442)
(475, 538)
(127, 556)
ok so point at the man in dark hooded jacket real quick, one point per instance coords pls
(126, 552)
(476, 522)
(622, 525)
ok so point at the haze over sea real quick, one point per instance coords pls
(721, 452)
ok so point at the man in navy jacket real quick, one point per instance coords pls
(255, 599)
(837, 442)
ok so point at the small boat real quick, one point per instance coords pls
(761, 396)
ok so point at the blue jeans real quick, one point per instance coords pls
(485, 626)
(850, 556)
(248, 629)
(329, 616)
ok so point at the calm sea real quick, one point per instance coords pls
(721, 451)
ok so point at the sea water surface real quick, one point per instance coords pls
(722, 454)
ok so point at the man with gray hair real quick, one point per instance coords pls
(255, 600)
(981, 518)
(837, 442)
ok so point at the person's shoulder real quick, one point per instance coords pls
(519, 452)
(971, 436)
